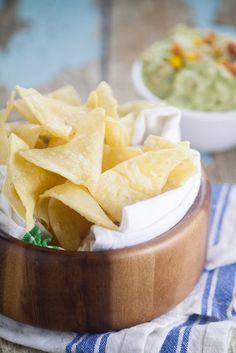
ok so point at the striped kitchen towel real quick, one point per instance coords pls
(205, 322)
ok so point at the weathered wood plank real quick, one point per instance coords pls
(83, 79)
(223, 167)
(135, 25)
(226, 15)
(68, 49)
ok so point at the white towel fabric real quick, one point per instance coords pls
(203, 323)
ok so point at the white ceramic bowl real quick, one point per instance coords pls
(207, 131)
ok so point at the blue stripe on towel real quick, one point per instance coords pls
(185, 340)
(74, 341)
(184, 346)
(216, 191)
(171, 341)
(103, 342)
(219, 227)
(203, 320)
(224, 291)
(88, 344)
(207, 292)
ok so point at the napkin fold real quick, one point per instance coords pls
(205, 322)
(162, 121)
(10, 223)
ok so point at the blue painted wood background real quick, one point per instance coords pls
(61, 34)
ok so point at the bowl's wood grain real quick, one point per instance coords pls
(106, 290)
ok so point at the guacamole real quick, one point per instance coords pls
(193, 69)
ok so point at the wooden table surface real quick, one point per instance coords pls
(49, 44)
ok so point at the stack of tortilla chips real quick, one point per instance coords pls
(71, 165)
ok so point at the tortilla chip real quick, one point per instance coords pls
(41, 212)
(102, 98)
(27, 132)
(114, 192)
(119, 131)
(27, 180)
(66, 94)
(79, 199)
(137, 179)
(21, 107)
(47, 111)
(56, 141)
(79, 160)
(42, 142)
(180, 174)
(148, 172)
(115, 155)
(13, 198)
(136, 107)
(153, 143)
(69, 227)
(4, 143)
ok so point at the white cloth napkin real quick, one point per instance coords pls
(10, 223)
(162, 121)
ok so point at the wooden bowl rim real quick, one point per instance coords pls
(129, 250)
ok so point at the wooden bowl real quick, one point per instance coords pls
(107, 290)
